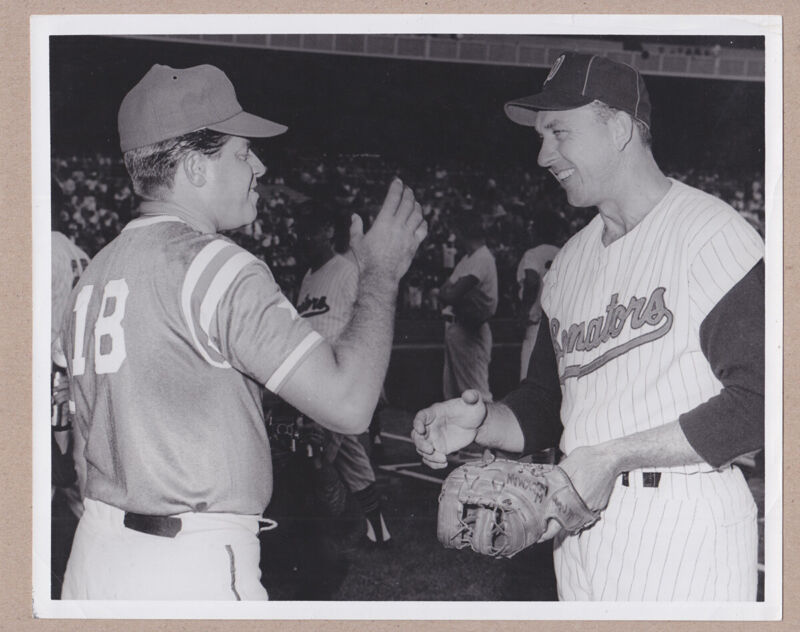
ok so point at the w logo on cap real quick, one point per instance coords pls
(556, 65)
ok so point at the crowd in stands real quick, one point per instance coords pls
(98, 202)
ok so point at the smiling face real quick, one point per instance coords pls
(578, 149)
(231, 178)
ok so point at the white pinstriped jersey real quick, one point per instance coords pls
(327, 296)
(173, 334)
(625, 318)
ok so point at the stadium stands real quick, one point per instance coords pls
(99, 202)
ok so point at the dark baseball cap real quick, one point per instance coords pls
(577, 79)
(169, 102)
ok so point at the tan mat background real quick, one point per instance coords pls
(16, 305)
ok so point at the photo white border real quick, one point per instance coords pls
(768, 26)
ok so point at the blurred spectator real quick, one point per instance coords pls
(545, 241)
(327, 295)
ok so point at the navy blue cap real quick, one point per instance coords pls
(577, 79)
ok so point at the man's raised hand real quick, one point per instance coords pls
(389, 246)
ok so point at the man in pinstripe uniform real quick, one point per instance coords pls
(651, 363)
(174, 331)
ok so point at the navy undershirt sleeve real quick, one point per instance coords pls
(536, 402)
(732, 339)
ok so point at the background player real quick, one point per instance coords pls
(326, 298)
(533, 265)
(67, 263)
(470, 295)
(175, 331)
(652, 358)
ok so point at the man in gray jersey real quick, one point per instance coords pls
(174, 332)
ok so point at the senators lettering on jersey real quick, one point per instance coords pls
(615, 328)
(313, 306)
(580, 337)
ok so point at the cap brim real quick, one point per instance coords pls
(524, 111)
(249, 126)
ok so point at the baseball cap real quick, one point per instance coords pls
(577, 79)
(169, 102)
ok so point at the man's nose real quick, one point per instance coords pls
(256, 165)
(547, 153)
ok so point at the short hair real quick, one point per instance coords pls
(604, 112)
(152, 167)
(470, 225)
(316, 214)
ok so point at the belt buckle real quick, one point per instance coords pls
(162, 526)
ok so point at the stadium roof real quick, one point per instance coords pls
(714, 57)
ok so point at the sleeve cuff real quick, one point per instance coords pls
(293, 360)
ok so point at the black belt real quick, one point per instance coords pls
(649, 479)
(164, 526)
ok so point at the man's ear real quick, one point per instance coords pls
(621, 126)
(194, 168)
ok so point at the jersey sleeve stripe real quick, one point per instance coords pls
(292, 361)
(222, 281)
(201, 261)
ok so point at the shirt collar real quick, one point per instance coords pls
(158, 208)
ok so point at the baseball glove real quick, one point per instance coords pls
(499, 507)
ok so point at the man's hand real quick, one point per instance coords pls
(447, 426)
(592, 471)
(390, 244)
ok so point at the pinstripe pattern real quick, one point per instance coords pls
(664, 544)
(625, 321)
(630, 375)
